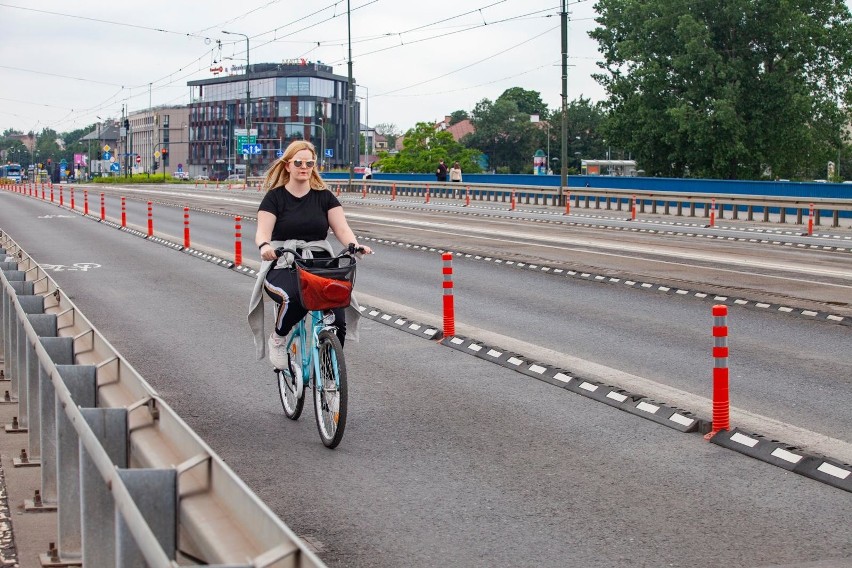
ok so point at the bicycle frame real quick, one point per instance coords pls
(308, 352)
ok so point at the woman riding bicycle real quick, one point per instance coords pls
(296, 213)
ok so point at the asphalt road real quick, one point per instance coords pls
(449, 460)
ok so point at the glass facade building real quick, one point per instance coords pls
(288, 101)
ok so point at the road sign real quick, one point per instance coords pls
(253, 149)
(114, 167)
(279, 153)
(329, 152)
(106, 148)
(243, 140)
(180, 167)
(107, 155)
(138, 159)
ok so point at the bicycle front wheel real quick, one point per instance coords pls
(330, 390)
(287, 391)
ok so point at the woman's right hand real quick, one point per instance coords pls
(268, 253)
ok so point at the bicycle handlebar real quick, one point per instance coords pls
(350, 250)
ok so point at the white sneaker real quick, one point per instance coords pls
(278, 351)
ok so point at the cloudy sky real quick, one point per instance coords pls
(62, 63)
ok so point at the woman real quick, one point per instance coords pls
(296, 212)
(455, 173)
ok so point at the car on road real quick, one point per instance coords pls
(202, 178)
(181, 175)
(235, 177)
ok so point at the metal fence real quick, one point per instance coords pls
(681, 204)
(132, 484)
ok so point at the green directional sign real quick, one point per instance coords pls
(242, 140)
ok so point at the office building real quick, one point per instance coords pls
(294, 99)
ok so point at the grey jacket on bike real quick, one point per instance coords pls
(255, 314)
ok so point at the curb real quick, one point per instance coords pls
(825, 470)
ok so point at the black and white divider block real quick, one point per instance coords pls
(829, 471)
(635, 404)
(509, 360)
(400, 322)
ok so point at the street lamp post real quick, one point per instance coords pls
(248, 99)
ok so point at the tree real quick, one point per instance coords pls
(458, 116)
(585, 137)
(423, 147)
(528, 102)
(390, 131)
(505, 135)
(730, 89)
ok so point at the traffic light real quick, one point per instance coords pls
(164, 152)
(127, 124)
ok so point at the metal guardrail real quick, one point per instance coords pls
(132, 483)
(660, 202)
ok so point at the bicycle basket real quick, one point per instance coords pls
(325, 283)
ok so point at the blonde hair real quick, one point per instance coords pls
(277, 174)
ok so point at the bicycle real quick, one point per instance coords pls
(316, 355)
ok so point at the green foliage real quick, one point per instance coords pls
(423, 147)
(527, 102)
(729, 90)
(458, 116)
(504, 134)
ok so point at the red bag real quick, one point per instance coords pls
(325, 283)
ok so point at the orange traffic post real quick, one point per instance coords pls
(363, 190)
(51, 193)
(633, 209)
(449, 306)
(721, 394)
(393, 192)
(811, 220)
(103, 208)
(73, 208)
(512, 206)
(150, 219)
(61, 197)
(338, 190)
(123, 212)
(568, 203)
(186, 227)
(42, 192)
(427, 193)
(713, 213)
(467, 196)
(85, 202)
(238, 242)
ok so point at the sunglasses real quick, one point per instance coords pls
(300, 163)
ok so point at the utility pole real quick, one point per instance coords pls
(563, 180)
(151, 143)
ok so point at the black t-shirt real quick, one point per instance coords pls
(304, 218)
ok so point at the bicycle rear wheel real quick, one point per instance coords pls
(330, 399)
